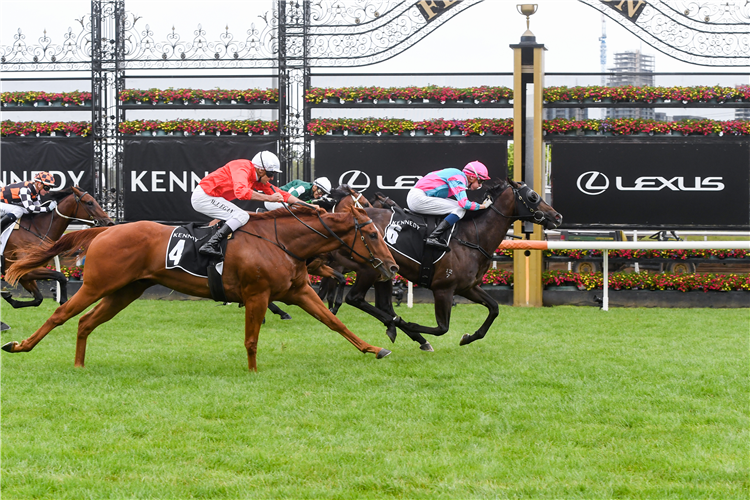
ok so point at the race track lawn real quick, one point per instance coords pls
(564, 402)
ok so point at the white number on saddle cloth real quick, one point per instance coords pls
(176, 254)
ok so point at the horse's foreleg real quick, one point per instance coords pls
(339, 289)
(31, 287)
(80, 301)
(278, 311)
(384, 302)
(255, 313)
(103, 312)
(311, 303)
(443, 304)
(479, 296)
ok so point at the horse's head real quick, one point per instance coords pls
(345, 197)
(379, 200)
(87, 210)
(525, 204)
(370, 243)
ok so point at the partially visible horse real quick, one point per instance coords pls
(265, 261)
(461, 270)
(73, 205)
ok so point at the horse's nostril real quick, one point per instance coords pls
(394, 269)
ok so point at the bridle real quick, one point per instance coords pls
(355, 199)
(94, 221)
(372, 260)
(527, 204)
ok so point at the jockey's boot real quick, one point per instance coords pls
(7, 220)
(213, 246)
(436, 239)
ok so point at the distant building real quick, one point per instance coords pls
(631, 68)
(742, 113)
(680, 118)
(567, 113)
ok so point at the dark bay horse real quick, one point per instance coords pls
(265, 261)
(73, 205)
(461, 270)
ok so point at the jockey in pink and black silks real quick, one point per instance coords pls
(431, 195)
(237, 180)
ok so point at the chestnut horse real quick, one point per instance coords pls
(265, 261)
(461, 270)
(73, 205)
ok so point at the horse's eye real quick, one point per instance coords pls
(90, 203)
(374, 236)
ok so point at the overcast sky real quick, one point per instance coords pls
(475, 40)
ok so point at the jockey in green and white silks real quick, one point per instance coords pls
(306, 191)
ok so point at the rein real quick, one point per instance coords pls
(475, 246)
(374, 261)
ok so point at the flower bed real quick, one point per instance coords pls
(630, 126)
(620, 126)
(482, 94)
(31, 128)
(397, 126)
(737, 253)
(648, 281)
(71, 273)
(198, 96)
(199, 127)
(75, 98)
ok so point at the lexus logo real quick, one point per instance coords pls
(356, 179)
(592, 183)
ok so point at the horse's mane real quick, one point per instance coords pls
(340, 192)
(280, 213)
(58, 195)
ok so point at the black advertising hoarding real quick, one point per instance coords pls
(392, 166)
(67, 158)
(160, 174)
(650, 183)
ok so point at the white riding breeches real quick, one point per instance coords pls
(219, 208)
(419, 202)
(272, 205)
(6, 208)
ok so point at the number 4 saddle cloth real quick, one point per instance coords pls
(182, 251)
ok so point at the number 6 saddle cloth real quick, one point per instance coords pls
(182, 251)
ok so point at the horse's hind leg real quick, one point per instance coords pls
(255, 313)
(31, 287)
(311, 303)
(80, 301)
(479, 296)
(103, 312)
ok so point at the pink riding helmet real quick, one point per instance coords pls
(477, 169)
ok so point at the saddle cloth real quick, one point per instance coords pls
(406, 232)
(182, 250)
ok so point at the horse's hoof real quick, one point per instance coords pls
(285, 316)
(9, 346)
(6, 294)
(4, 327)
(391, 332)
(466, 339)
(383, 353)
(426, 347)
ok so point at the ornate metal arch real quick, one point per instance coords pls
(704, 33)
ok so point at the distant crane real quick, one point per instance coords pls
(603, 49)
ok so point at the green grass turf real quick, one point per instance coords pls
(558, 402)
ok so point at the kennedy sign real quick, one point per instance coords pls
(393, 166)
(665, 183)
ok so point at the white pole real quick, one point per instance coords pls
(410, 294)
(57, 268)
(635, 238)
(605, 285)
(643, 245)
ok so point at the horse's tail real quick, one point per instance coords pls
(41, 254)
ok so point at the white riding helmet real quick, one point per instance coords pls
(267, 161)
(323, 183)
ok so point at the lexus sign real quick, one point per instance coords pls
(665, 183)
(393, 166)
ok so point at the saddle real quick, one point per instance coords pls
(182, 253)
(406, 233)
